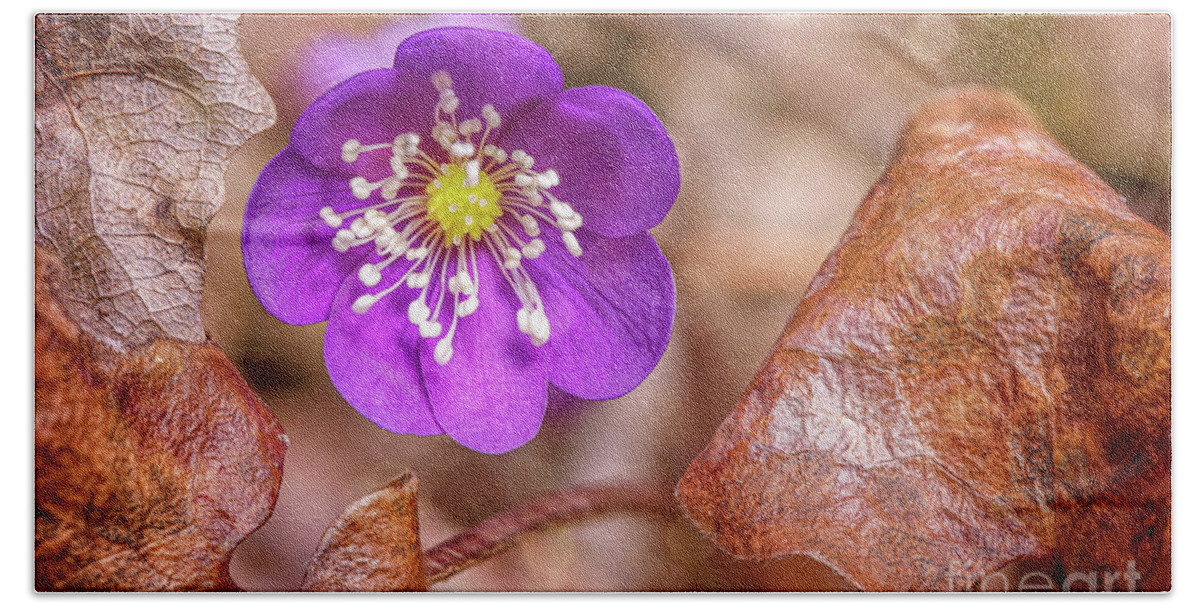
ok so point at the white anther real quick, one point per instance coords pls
(572, 244)
(472, 169)
(491, 116)
(441, 80)
(369, 275)
(418, 280)
(530, 224)
(364, 303)
(466, 307)
(464, 284)
(391, 187)
(548, 179)
(416, 254)
(331, 218)
(533, 249)
(523, 320)
(444, 350)
(350, 150)
(499, 154)
(523, 159)
(343, 240)
(539, 327)
(570, 223)
(448, 102)
(388, 240)
(523, 179)
(376, 219)
(560, 209)
(492, 228)
(462, 149)
(418, 312)
(470, 126)
(429, 329)
(360, 228)
(361, 188)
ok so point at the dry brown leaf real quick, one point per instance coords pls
(151, 465)
(979, 373)
(373, 546)
(135, 118)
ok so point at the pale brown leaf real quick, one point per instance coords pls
(151, 464)
(980, 373)
(374, 545)
(135, 118)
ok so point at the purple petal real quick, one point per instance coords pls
(502, 69)
(338, 56)
(618, 167)
(373, 107)
(372, 359)
(491, 395)
(610, 312)
(291, 265)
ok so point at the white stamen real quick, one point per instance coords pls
(547, 179)
(539, 327)
(369, 275)
(361, 188)
(472, 169)
(467, 306)
(443, 351)
(350, 150)
(491, 116)
(441, 80)
(429, 329)
(332, 219)
(416, 254)
(462, 149)
(523, 179)
(364, 303)
(561, 209)
(360, 228)
(418, 312)
(533, 248)
(572, 244)
(573, 222)
(418, 280)
(470, 126)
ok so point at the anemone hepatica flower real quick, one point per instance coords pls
(471, 231)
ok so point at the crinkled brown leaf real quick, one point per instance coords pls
(980, 372)
(135, 118)
(373, 546)
(151, 465)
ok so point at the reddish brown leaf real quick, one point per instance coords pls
(979, 373)
(135, 118)
(151, 465)
(373, 546)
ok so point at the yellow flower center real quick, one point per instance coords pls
(460, 208)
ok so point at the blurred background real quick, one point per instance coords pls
(782, 123)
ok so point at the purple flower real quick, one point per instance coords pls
(471, 231)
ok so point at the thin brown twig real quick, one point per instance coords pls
(501, 532)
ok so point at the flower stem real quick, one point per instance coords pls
(501, 532)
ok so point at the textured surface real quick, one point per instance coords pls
(151, 464)
(375, 545)
(135, 117)
(980, 372)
